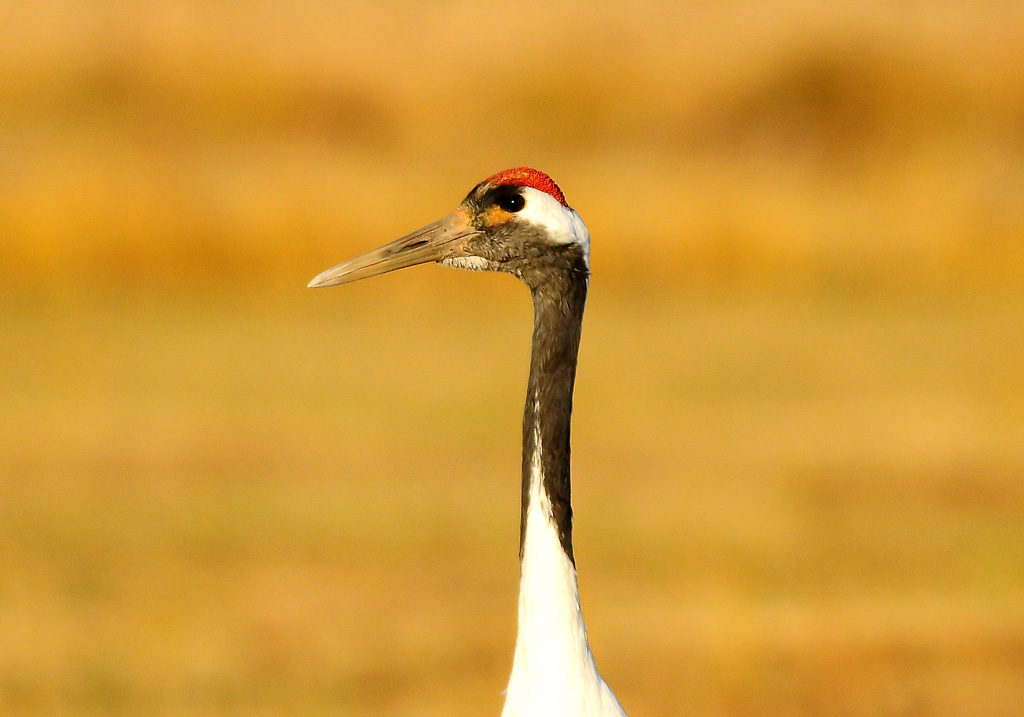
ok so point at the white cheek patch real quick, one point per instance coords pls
(562, 223)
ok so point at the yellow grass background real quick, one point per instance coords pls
(799, 435)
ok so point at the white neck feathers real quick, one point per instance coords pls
(553, 672)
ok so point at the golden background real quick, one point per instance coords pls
(799, 434)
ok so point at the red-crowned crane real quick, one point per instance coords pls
(518, 222)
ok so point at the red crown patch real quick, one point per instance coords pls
(528, 177)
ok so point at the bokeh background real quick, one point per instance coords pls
(799, 434)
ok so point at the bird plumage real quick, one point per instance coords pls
(518, 221)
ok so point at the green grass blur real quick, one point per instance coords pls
(799, 433)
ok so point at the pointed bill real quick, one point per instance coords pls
(442, 239)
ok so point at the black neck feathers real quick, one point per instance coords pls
(559, 295)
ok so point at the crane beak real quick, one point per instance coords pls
(442, 239)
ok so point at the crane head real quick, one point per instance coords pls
(516, 221)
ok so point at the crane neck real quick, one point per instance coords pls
(559, 298)
(553, 672)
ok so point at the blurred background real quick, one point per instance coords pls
(799, 432)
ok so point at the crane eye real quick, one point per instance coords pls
(511, 203)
